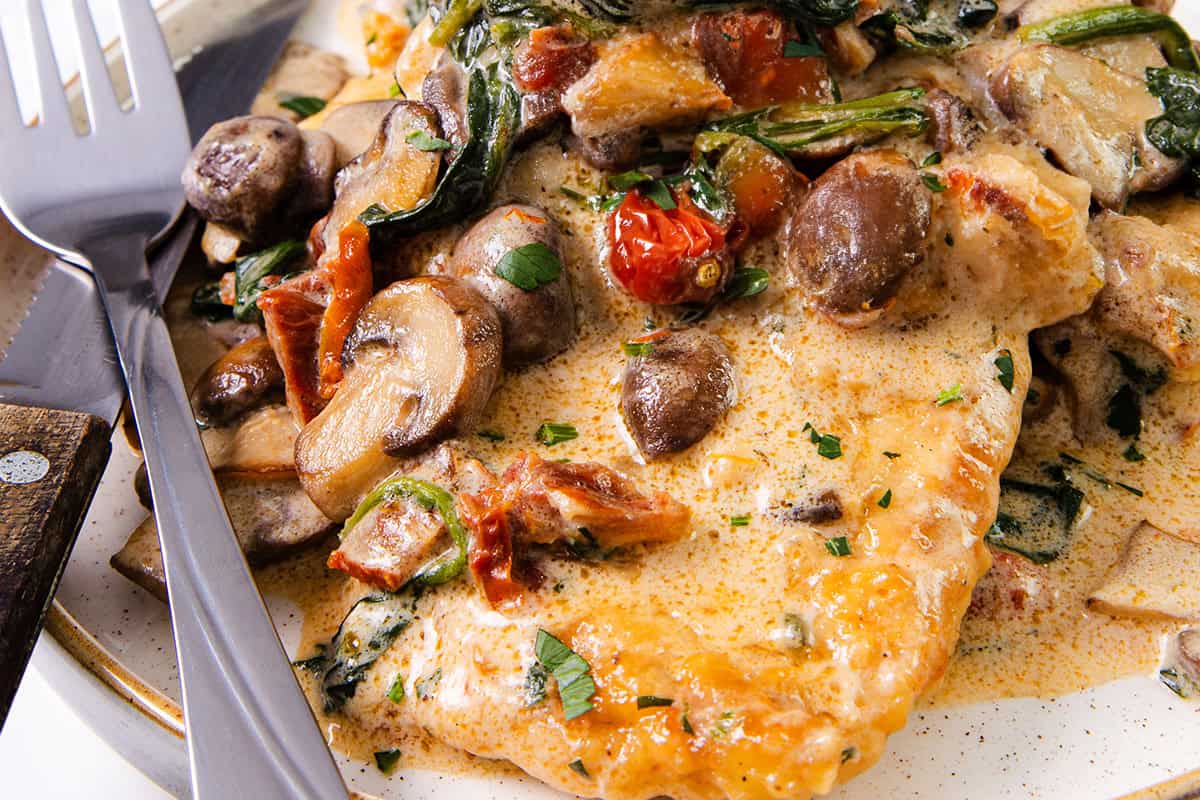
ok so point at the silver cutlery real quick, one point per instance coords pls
(100, 199)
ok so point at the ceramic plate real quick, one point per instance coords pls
(108, 646)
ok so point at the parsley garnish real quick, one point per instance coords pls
(933, 159)
(849, 753)
(395, 91)
(828, 445)
(891, 455)
(637, 348)
(838, 546)
(651, 701)
(625, 181)
(1132, 453)
(724, 725)
(932, 183)
(423, 141)
(1131, 489)
(490, 435)
(660, 194)
(578, 767)
(799, 632)
(949, 395)
(530, 266)
(396, 693)
(374, 37)
(551, 433)
(301, 104)
(740, 521)
(1004, 363)
(575, 684)
(886, 500)
(426, 686)
(746, 282)
(386, 760)
(686, 723)
(535, 684)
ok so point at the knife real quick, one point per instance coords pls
(60, 384)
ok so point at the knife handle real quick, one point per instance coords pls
(50, 464)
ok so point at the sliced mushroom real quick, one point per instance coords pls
(445, 90)
(1152, 285)
(416, 59)
(1091, 117)
(271, 517)
(612, 151)
(1181, 666)
(262, 441)
(537, 324)
(302, 71)
(674, 393)
(421, 364)
(856, 235)
(353, 127)
(954, 127)
(1155, 578)
(312, 192)
(237, 382)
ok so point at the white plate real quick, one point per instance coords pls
(108, 650)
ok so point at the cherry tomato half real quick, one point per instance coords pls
(665, 257)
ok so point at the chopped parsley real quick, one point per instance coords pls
(635, 349)
(490, 435)
(395, 91)
(798, 632)
(551, 433)
(933, 159)
(1131, 489)
(838, 546)
(886, 500)
(740, 521)
(625, 181)
(932, 183)
(849, 753)
(303, 105)
(427, 685)
(386, 760)
(570, 671)
(724, 725)
(396, 692)
(686, 723)
(746, 282)
(1133, 454)
(578, 768)
(530, 266)
(651, 701)
(891, 455)
(949, 395)
(828, 445)
(535, 684)
(660, 194)
(423, 141)
(1004, 363)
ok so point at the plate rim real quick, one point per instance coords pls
(74, 656)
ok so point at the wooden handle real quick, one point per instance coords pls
(50, 463)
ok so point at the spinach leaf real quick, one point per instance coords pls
(914, 34)
(367, 631)
(818, 12)
(303, 105)
(1034, 520)
(206, 302)
(493, 114)
(249, 272)
(1177, 132)
(1083, 26)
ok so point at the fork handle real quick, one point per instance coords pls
(50, 464)
(250, 731)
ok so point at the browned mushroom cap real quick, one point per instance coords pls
(353, 127)
(537, 324)
(422, 362)
(676, 391)
(859, 231)
(445, 90)
(240, 171)
(237, 381)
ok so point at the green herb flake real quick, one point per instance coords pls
(535, 684)
(301, 104)
(396, 692)
(849, 753)
(1133, 490)
(624, 181)
(740, 521)
(949, 395)
(828, 445)
(891, 456)
(575, 685)
(490, 435)
(651, 701)
(1133, 454)
(634, 349)
(373, 39)
(798, 632)
(552, 433)
(386, 760)
(1004, 363)
(933, 183)
(250, 275)
(530, 266)
(578, 768)
(746, 282)
(886, 500)
(838, 546)
(795, 49)
(660, 194)
(424, 142)
(686, 723)
(724, 725)
(395, 90)
(933, 159)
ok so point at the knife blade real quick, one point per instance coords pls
(60, 384)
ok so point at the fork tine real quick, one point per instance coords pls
(101, 99)
(55, 113)
(150, 69)
(10, 112)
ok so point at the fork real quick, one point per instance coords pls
(99, 199)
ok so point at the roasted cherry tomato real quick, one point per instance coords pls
(666, 257)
